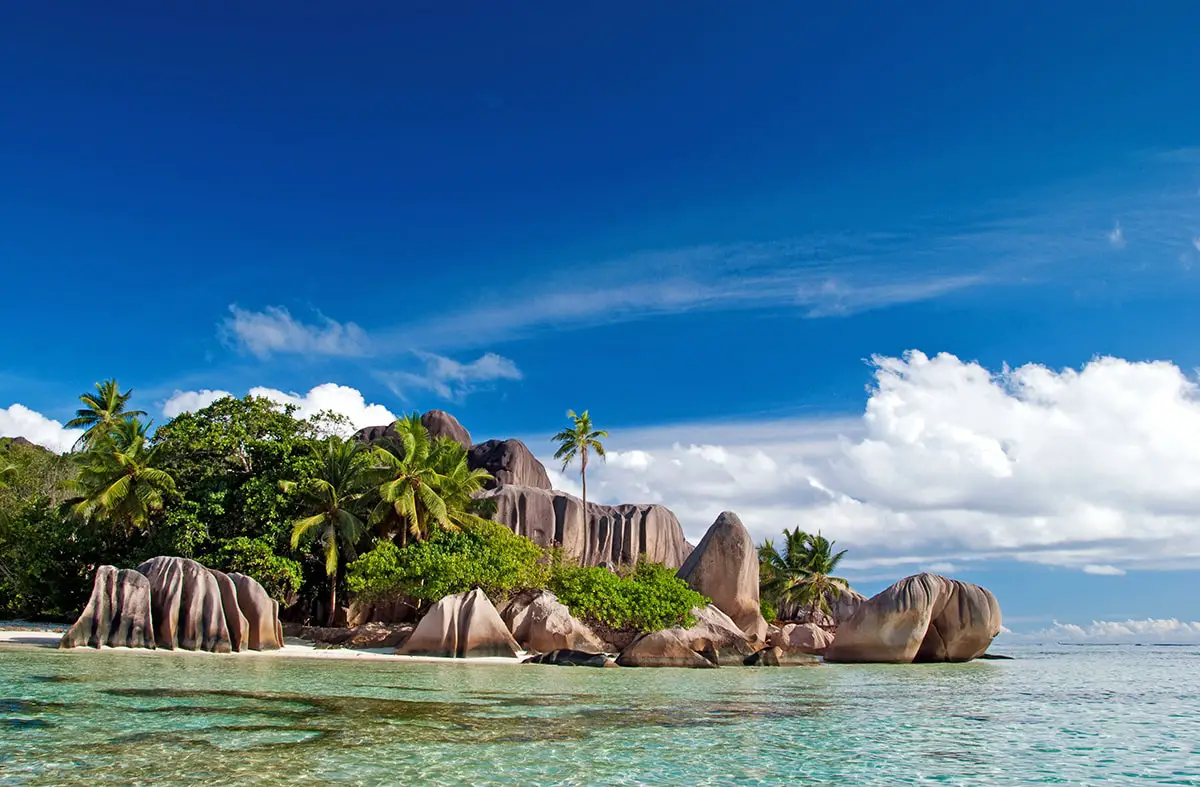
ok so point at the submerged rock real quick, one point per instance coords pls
(185, 601)
(461, 626)
(724, 567)
(117, 615)
(714, 640)
(921, 618)
(541, 623)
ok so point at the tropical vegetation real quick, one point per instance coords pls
(797, 579)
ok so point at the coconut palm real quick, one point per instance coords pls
(333, 496)
(800, 577)
(119, 480)
(410, 486)
(575, 442)
(102, 411)
(458, 484)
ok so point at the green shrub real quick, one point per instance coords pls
(768, 610)
(482, 555)
(649, 598)
(280, 576)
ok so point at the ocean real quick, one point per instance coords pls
(1053, 715)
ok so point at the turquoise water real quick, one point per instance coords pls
(1070, 715)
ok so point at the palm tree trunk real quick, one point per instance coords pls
(332, 598)
(593, 547)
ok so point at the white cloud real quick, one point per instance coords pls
(1196, 243)
(834, 298)
(191, 401)
(1116, 236)
(273, 330)
(1094, 467)
(1150, 631)
(1103, 570)
(332, 397)
(451, 379)
(942, 567)
(19, 421)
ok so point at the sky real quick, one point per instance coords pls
(922, 277)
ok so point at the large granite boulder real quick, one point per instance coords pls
(541, 623)
(713, 641)
(509, 462)
(261, 611)
(461, 626)
(802, 638)
(438, 423)
(779, 657)
(920, 618)
(724, 567)
(117, 615)
(842, 607)
(185, 600)
(608, 535)
(571, 658)
(235, 620)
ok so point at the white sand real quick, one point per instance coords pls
(292, 648)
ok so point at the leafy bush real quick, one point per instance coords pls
(650, 598)
(280, 576)
(478, 555)
(768, 610)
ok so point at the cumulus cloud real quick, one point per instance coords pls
(274, 331)
(1150, 631)
(19, 421)
(327, 397)
(1097, 467)
(451, 379)
(1116, 236)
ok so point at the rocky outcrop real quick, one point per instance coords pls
(461, 626)
(438, 423)
(842, 608)
(802, 638)
(780, 657)
(185, 601)
(261, 613)
(508, 462)
(541, 623)
(724, 567)
(117, 615)
(921, 618)
(608, 535)
(571, 658)
(235, 621)
(713, 641)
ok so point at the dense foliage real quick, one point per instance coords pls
(649, 598)
(797, 579)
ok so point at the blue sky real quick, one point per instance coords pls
(699, 221)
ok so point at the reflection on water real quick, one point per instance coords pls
(114, 718)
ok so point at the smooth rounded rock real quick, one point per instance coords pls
(541, 623)
(724, 567)
(185, 601)
(117, 614)
(465, 625)
(261, 612)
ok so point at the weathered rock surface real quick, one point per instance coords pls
(608, 534)
(439, 423)
(364, 637)
(715, 640)
(185, 601)
(541, 623)
(235, 621)
(461, 626)
(843, 608)
(117, 615)
(261, 612)
(802, 638)
(920, 618)
(724, 567)
(571, 658)
(509, 462)
(779, 657)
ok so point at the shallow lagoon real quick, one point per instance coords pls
(1062, 715)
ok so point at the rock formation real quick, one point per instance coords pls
(235, 620)
(713, 641)
(461, 626)
(571, 658)
(921, 618)
(261, 612)
(780, 657)
(842, 608)
(802, 638)
(724, 567)
(608, 535)
(541, 623)
(509, 462)
(117, 615)
(185, 600)
(439, 423)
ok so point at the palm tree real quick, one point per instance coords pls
(102, 411)
(333, 495)
(575, 442)
(800, 577)
(423, 483)
(118, 477)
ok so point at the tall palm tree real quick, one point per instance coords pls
(119, 480)
(333, 496)
(575, 442)
(458, 484)
(800, 577)
(102, 411)
(409, 491)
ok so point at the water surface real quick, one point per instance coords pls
(1063, 715)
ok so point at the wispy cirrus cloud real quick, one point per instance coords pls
(274, 330)
(450, 379)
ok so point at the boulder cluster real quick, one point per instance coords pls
(176, 604)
